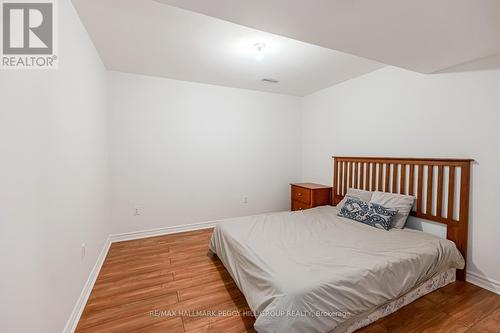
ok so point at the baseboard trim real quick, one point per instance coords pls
(483, 282)
(87, 288)
(161, 231)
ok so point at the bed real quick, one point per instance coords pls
(313, 271)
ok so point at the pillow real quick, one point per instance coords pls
(403, 204)
(357, 194)
(369, 213)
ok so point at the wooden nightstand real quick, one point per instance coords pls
(309, 195)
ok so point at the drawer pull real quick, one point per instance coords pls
(299, 194)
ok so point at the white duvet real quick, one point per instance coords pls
(312, 271)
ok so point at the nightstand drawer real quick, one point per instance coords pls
(297, 205)
(301, 194)
(309, 195)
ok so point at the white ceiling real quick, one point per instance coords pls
(147, 37)
(420, 35)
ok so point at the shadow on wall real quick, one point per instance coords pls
(483, 64)
(472, 269)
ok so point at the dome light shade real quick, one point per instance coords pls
(259, 55)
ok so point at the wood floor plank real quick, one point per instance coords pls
(205, 289)
(131, 278)
(130, 297)
(473, 309)
(236, 307)
(186, 261)
(489, 324)
(123, 287)
(133, 265)
(373, 328)
(194, 270)
(172, 283)
(173, 325)
(453, 293)
(233, 324)
(194, 281)
(140, 321)
(136, 252)
(123, 274)
(94, 318)
(138, 257)
(417, 317)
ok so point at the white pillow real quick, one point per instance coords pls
(358, 194)
(403, 203)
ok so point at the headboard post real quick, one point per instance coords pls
(441, 195)
(462, 229)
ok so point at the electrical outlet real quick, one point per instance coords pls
(84, 248)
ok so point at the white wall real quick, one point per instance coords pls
(53, 181)
(394, 112)
(186, 152)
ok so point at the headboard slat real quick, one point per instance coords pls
(379, 182)
(402, 179)
(373, 172)
(362, 185)
(398, 174)
(430, 178)
(394, 177)
(439, 199)
(420, 188)
(412, 180)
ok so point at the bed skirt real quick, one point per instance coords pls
(438, 281)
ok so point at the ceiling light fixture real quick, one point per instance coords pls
(260, 51)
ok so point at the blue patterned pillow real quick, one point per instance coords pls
(369, 213)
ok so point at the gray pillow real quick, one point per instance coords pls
(402, 203)
(358, 194)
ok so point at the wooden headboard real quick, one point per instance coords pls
(441, 186)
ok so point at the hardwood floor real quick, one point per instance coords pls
(171, 284)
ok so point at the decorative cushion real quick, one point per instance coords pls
(402, 203)
(357, 194)
(369, 213)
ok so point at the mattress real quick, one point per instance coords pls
(312, 271)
